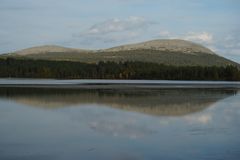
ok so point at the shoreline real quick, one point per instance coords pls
(115, 84)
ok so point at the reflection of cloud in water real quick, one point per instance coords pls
(201, 118)
(116, 129)
(220, 119)
(112, 122)
(168, 102)
(226, 109)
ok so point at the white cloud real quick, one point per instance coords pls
(117, 25)
(114, 31)
(200, 37)
(204, 37)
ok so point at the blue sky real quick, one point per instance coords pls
(96, 24)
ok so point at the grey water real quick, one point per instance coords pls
(44, 123)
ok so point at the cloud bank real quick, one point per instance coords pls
(114, 30)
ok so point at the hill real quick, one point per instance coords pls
(168, 52)
(46, 49)
(174, 45)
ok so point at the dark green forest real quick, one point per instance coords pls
(26, 68)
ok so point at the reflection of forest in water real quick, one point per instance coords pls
(171, 102)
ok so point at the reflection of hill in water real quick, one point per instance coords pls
(170, 102)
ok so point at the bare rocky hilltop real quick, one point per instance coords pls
(170, 52)
(175, 45)
(46, 49)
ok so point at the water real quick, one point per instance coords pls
(120, 123)
(74, 82)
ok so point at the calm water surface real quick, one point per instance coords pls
(119, 124)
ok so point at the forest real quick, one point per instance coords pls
(26, 68)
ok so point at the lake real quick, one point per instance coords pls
(146, 120)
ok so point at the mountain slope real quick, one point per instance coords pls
(170, 52)
(174, 45)
(46, 49)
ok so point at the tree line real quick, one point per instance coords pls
(26, 68)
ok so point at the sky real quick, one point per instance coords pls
(97, 24)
